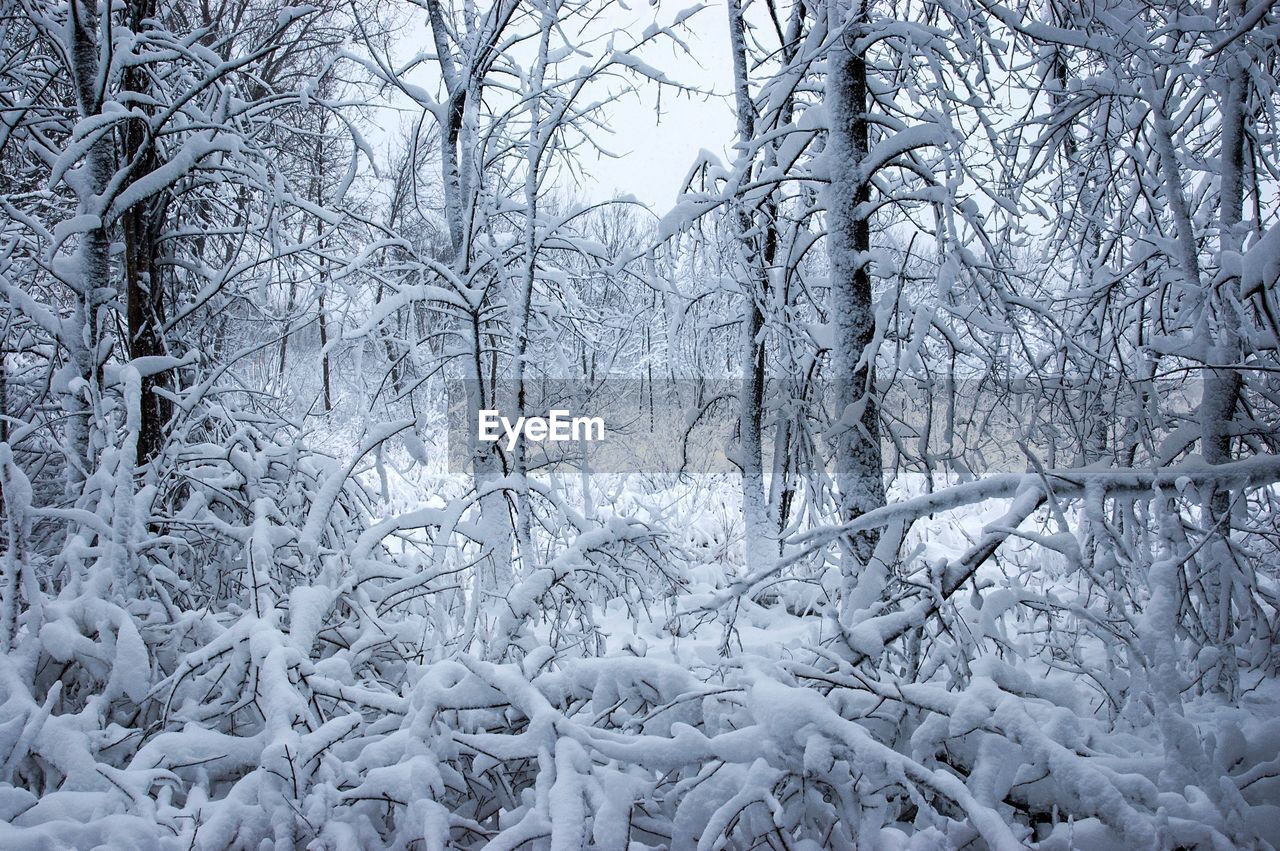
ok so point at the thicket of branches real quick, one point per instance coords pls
(992, 287)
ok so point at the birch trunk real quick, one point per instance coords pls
(93, 281)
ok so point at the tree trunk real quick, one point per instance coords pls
(760, 543)
(143, 286)
(457, 163)
(859, 477)
(324, 351)
(93, 280)
(1222, 387)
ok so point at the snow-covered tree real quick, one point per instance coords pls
(980, 307)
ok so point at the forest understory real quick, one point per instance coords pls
(935, 505)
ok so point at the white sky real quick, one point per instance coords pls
(655, 149)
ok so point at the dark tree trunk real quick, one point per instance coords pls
(859, 477)
(144, 291)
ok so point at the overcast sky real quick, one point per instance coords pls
(656, 149)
